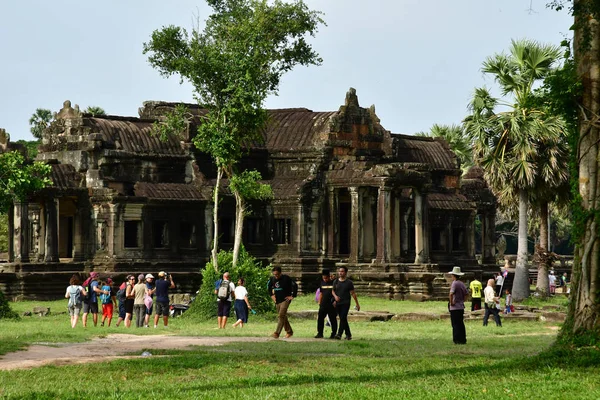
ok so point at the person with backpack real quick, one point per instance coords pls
(75, 293)
(90, 301)
(108, 300)
(122, 298)
(282, 289)
(223, 289)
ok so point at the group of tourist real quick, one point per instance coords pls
(131, 299)
(560, 281)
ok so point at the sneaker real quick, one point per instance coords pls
(146, 326)
(275, 335)
(348, 338)
(319, 336)
(102, 324)
(337, 337)
(289, 335)
(332, 336)
(155, 326)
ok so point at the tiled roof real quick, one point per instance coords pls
(418, 149)
(133, 135)
(447, 201)
(168, 191)
(287, 188)
(296, 129)
(64, 176)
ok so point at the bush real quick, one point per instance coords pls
(255, 275)
(5, 311)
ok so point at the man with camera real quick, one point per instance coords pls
(162, 297)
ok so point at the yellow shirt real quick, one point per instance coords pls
(475, 288)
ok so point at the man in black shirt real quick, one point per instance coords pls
(282, 289)
(342, 290)
(326, 307)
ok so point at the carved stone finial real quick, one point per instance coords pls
(351, 97)
(4, 139)
(67, 111)
(373, 114)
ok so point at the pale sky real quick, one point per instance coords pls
(418, 61)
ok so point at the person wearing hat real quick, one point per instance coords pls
(458, 293)
(109, 301)
(90, 304)
(162, 297)
(139, 307)
(149, 298)
(326, 307)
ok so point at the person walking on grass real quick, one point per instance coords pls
(476, 289)
(282, 289)
(223, 289)
(241, 305)
(490, 304)
(108, 300)
(90, 303)
(326, 308)
(162, 297)
(456, 298)
(139, 308)
(75, 293)
(342, 290)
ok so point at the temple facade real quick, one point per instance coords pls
(393, 208)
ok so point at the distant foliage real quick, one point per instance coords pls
(5, 311)
(3, 233)
(255, 275)
(31, 146)
(39, 121)
(95, 110)
(19, 178)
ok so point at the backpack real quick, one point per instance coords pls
(224, 290)
(87, 285)
(122, 295)
(105, 298)
(74, 295)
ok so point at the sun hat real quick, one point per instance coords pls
(140, 277)
(109, 280)
(456, 271)
(162, 273)
(149, 276)
(93, 274)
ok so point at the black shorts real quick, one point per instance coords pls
(162, 308)
(129, 306)
(90, 308)
(224, 308)
(122, 309)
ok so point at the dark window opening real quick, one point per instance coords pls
(344, 227)
(187, 235)
(226, 230)
(438, 239)
(160, 234)
(458, 239)
(253, 231)
(132, 234)
(282, 228)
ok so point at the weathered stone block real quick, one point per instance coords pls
(553, 316)
(416, 317)
(41, 311)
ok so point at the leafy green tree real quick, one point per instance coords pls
(19, 178)
(246, 186)
(95, 110)
(3, 233)
(458, 141)
(506, 143)
(39, 121)
(5, 311)
(234, 63)
(582, 325)
(31, 146)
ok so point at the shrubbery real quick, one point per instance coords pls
(255, 275)
(5, 310)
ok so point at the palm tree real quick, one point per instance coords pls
(507, 144)
(39, 121)
(457, 140)
(95, 110)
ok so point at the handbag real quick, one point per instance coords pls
(148, 301)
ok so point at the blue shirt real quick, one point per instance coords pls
(162, 290)
(94, 296)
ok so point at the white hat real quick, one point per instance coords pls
(456, 271)
(149, 276)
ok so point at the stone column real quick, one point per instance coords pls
(51, 251)
(470, 235)
(78, 234)
(404, 240)
(114, 241)
(395, 231)
(383, 224)
(489, 238)
(421, 247)
(331, 228)
(354, 223)
(21, 232)
(298, 233)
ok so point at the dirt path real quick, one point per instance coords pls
(111, 347)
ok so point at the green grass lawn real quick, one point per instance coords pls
(387, 360)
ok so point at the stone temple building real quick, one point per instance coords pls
(393, 208)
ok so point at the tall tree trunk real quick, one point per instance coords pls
(542, 284)
(521, 283)
(583, 318)
(215, 248)
(240, 209)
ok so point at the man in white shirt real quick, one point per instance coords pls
(490, 304)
